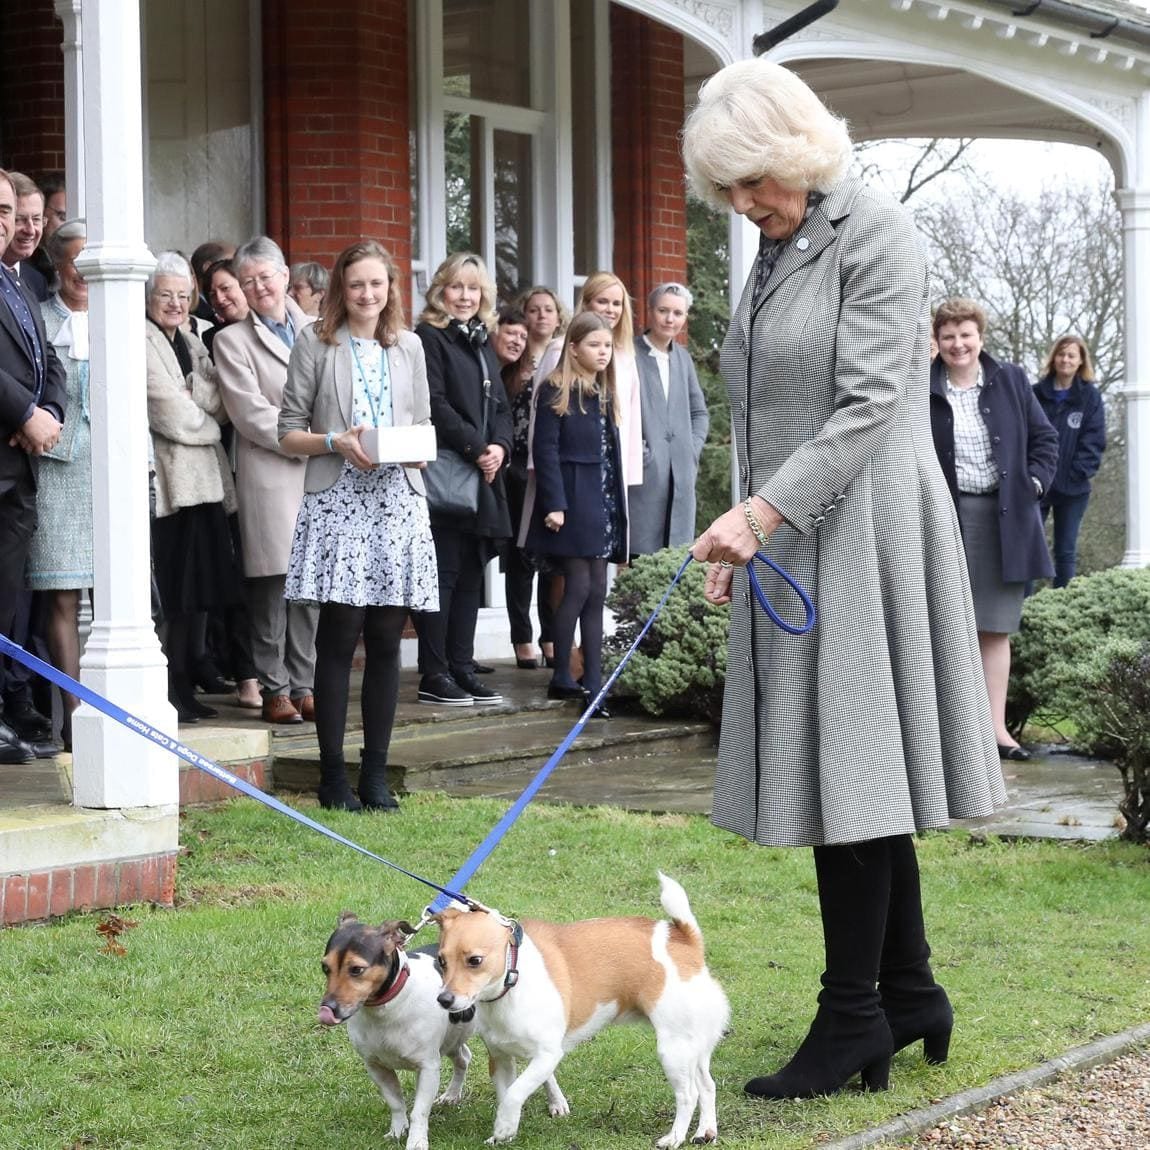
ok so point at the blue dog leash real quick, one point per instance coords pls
(479, 855)
(446, 894)
(134, 723)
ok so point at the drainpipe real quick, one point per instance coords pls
(765, 41)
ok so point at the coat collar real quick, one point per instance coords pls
(990, 369)
(268, 338)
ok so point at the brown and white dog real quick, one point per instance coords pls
(388, 999)
(542, 988)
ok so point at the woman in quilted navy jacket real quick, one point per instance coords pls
(1074, 407)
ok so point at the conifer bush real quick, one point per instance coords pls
(1062, 629)
(681, 666)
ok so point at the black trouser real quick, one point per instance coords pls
(447, 636)
(17, 523)
(336, 636)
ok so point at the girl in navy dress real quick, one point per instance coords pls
(578, 516)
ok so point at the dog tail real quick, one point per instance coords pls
(674, 900)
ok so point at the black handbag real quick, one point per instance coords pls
(452, 482)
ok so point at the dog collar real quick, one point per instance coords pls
(511, 975)
(396, 980)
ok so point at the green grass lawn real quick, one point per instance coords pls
(203, 1035)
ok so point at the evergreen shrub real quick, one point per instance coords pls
(1062, 628)
(1115, 724)
(681, 666)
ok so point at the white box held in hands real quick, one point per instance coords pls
(411, 444)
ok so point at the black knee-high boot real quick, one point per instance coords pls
(335, 791)
(850, 1034)
(915, 1005)
(373, 789)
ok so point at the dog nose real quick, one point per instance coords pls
(446, 999)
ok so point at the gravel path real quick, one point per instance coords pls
(1105, 1108)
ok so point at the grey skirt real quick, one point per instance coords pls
(997, 605)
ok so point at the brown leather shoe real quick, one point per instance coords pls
(305, 704)
(279, 709)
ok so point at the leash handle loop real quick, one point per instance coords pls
(793, 583)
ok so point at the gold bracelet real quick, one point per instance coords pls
(754, 524)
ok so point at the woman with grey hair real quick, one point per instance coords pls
(252, 358)
(307, 283)
(675, 424)
(191, 542)
(60, 557)
(875, 725)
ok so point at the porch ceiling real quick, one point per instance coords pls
(882, 99)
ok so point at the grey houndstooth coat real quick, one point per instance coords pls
(877, 722)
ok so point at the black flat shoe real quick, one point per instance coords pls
(1017, 754)
(549, 661)
(483, 669)
(527, 664)
(566, 694)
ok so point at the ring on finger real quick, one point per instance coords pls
(725, 563)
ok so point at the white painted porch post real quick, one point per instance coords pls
(1135, 205)
(73, 49)
(112, 766)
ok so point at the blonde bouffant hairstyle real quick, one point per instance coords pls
(756, 119)
(434, 311)
(566, 381)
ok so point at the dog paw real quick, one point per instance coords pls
(417, 1142)
(558, 1108)
(705, 1136)
(398, 1129)
(669, 1142)
(449, 1098)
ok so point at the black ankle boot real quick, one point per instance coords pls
(181, 696)
(836, 1048)
(373, 789)
(919, 1011)
(335, 793)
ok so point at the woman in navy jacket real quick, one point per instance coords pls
(1074, 407)
(998, 453)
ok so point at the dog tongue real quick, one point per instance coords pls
(327, 1016)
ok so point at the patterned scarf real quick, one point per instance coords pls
(770, 250)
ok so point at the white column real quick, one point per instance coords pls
(1135, 205)
(114, 767)
(73, 49)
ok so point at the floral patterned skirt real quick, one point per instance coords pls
(366, 542)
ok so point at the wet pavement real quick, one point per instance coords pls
(630, 761)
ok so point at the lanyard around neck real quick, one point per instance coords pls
(374, 402)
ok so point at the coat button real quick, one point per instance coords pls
(996, 439)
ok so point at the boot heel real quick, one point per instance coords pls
(936, 1046)
(876, 1075)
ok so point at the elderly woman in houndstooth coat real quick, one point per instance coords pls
(876, 724)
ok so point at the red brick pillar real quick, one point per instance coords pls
(31, 87)
(336, 123)
(648, 181)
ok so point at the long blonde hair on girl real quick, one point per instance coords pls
(566, 380)
(596, 284)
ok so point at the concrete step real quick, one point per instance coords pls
(442, 754)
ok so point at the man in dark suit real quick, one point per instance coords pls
(31, 413)
(26, 236)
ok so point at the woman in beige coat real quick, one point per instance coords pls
(191, 545)
(362, 549)
(252, 360)
(876, 724)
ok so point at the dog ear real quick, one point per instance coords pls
(397, 932)
(346, 916)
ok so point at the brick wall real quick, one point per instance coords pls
(336, 123)
(648, 183)
(89, 886)
(31, 87)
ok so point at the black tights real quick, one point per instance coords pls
(584, 592)
(339, 629)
